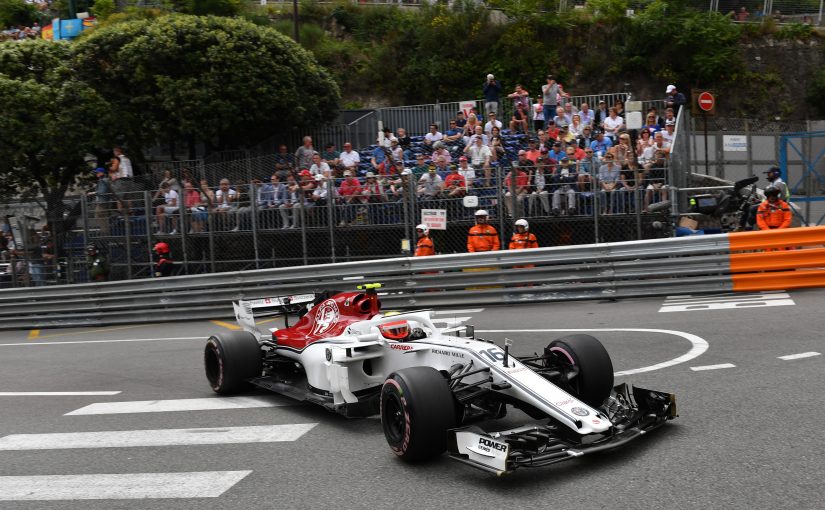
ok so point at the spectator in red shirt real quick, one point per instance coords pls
(351, 197)
(455, 185)
(551, 131)
(520, 190)
(350, 189)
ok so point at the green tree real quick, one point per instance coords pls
(216, 7)
(17, 12)
(816, 92)
(220, 81)
(102, 9)
(51, 121)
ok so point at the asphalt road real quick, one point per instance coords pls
(748, 435)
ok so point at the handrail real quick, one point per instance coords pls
(751, 261)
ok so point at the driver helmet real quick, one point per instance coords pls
(423, 228)
(523, 223)
(397, 331)
(772, 191)
(161, 248)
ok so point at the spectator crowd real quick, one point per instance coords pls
(550, 157)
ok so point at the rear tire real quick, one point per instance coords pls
(230, 359)
(417, 409)
(594, 381)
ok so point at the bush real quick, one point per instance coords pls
(17, 12)
(102, 9)
(816, 92)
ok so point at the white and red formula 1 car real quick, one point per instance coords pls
(431, 385)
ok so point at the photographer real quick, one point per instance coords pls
(492, 94)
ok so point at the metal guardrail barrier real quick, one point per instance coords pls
(694, 264)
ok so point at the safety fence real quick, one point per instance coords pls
(315, 221)
(752, 261)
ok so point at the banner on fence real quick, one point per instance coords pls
(735, 143)
(466, 106)
(436, 219)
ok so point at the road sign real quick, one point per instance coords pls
(706, 101)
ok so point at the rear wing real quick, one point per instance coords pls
(246, 311)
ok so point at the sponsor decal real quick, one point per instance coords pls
(325, 318)
(401, 347)
(447, 353)
(489, 445)
(513, 370)
(579, 411)
(596, 422)
(564, 402)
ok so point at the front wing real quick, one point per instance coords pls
(632, 411)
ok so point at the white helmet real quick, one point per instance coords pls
(522, 222)
(424, 228)
(482, 212)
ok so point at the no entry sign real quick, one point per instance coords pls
(706, 101)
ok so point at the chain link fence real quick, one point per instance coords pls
(311, 225)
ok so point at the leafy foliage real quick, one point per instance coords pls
(816, 92)
(220, 81)
(102, 9)
(17, 12)
(52, 120)
(795, 31)
(215, 7)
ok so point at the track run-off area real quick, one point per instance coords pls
(122, 417)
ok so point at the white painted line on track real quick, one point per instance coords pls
(186, 404)
(203, 484)
(732, 301)
(162, 437)
(726, 296)
(114, 341)
(799, 356)
(699, 344)
(713, 367)
(56, 393)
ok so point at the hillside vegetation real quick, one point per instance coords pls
(389, 55)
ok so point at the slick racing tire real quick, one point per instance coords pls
(417, 409)
(594, 381)
(230, 359)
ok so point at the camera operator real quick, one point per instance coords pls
(749, 215)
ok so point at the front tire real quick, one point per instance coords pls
(230, 359)
(594, 381)
(417, 409)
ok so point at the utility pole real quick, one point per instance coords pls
(294, 21)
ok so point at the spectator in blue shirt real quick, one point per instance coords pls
(557, 152)
(379, 155)
(600, 144)
(284, 162)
